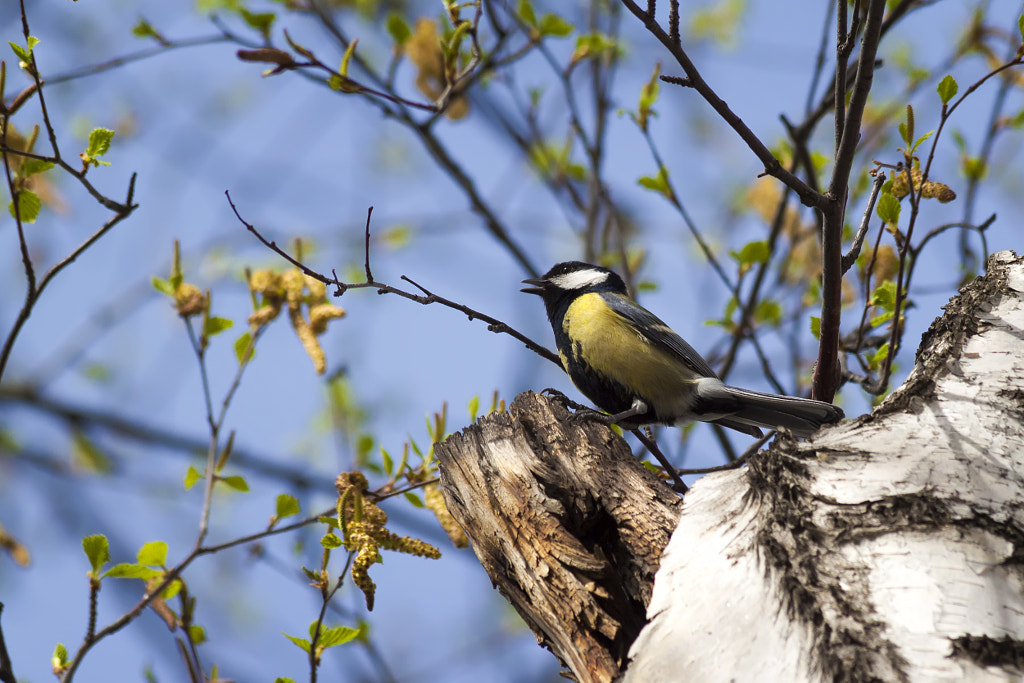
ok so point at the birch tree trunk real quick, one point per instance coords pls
(889, 547)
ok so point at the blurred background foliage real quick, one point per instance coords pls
(492, 139)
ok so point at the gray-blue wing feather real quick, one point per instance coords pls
(658, 333)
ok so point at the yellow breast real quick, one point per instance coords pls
(612, 347)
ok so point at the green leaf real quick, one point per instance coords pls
(330, 541)
(280, 679)
(215, 325)
(752, 252)
(816, 326)
(24, 55)
(917, 142)
(974, 168)
(30, 167)
(60, 656)
(132, 571)
(414, 499)
(261, 21)
(904, 133)
(286, 506)
(658, 183)
(397, 236)
(1017, 120)
(97, 550)
(88, 456)
(191, 477)
(595, 45)
(876, 359)
(398, 29)
(648, 96)
(474, 408)
(332, 522)
(526, 13)
(244, 351)
(718, 22)
(336, 635)
(197, 634)
(884, 296)
(347, 57)
(153, 553)
(143, 29)
(882, 318)
(99, 142)
(236, 482)
(28, 206)
(769, 312)
(163, 286)
(364, 444)
(389, 464)
(301, 642)
(172, 589)
(97, 372)
(888, 209)
(225, 453)
(554, 25)
(947, 89)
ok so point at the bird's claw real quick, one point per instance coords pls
(584, 414)
(563, 399)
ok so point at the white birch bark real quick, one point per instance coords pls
(886, 548)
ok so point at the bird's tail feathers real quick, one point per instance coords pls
(751, 409)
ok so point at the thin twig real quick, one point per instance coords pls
(652, 446)
(772, 166)
(493, 324)
(858, 240)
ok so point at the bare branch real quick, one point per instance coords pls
(858, 240)
(493, 324)
(772, 166)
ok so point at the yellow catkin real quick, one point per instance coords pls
(434, 501)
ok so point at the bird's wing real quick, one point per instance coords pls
(658, 333)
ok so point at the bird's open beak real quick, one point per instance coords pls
(537, 288)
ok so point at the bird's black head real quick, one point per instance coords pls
(575, 277)
(568, 280)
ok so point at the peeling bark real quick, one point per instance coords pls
(568, 524)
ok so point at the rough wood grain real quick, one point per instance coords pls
(569, 525)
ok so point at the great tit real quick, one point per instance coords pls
(633, 366)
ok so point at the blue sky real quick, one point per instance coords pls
(299, 160)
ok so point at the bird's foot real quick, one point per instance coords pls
(584, 414)
(563, 399)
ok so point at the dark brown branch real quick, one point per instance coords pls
(140, 55)
(826, 378)
(772, 166)
(138, 431)
(6, 666)
(33, 290)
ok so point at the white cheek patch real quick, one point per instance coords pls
(580, 279)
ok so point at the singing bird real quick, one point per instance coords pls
(633, 366)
